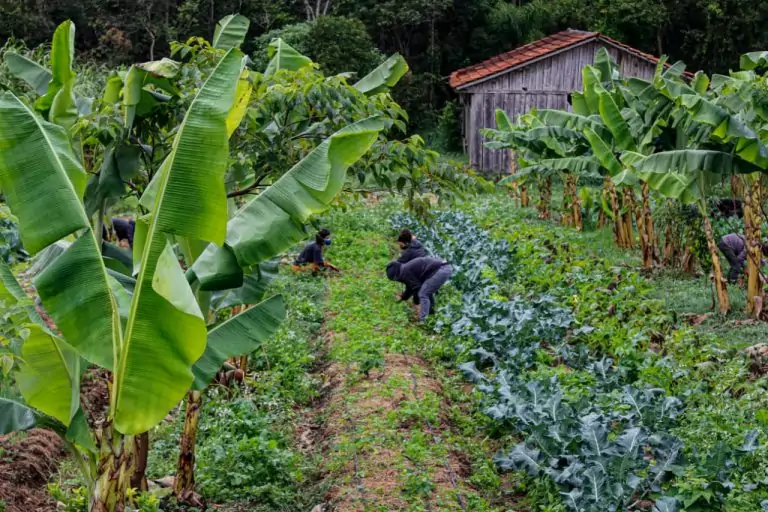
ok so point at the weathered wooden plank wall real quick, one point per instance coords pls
(543, 84)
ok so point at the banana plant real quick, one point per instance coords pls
(150, 352)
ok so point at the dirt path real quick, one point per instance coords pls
(395, 428)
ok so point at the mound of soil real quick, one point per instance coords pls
(27, 462)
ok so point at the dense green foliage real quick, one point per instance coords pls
(435, 36)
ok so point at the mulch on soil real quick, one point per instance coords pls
(27, 462)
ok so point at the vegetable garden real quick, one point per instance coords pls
(196, 372)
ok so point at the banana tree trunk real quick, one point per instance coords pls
(513, 186)
(184, 484)
(647, 238)
(717, 271)
(736, 188)
(524, 200)
(752, 220)
(114, 471)
(618, 228)
(671, 252)
(578, 222)
(140, 455)
(545, 196)
(566, 212)
(628, 202)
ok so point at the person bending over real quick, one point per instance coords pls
(312, 255)
(422, 278)
(734, 248)
(410, 247)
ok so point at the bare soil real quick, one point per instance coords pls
(27, 462)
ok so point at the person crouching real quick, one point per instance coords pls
(311, 258)
(422, 278)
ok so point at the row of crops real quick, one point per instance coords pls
(658, 144)
(609, 404)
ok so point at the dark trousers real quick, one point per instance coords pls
(430, 287)
(733, 260)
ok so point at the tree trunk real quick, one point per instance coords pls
(524, 201)
(140, 454)
(184, 484)
(567, 209)
(114, 471)
(647, 238)
(752, 219)
(545, 195)
(628, 202)
(736, 188)
(717, 271)
(575, 204)
(513, 186)
(618, 229)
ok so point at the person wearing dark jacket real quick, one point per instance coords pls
(734, 248)
(123, 229)
(422, 278)
(312, 255)
(410, 247)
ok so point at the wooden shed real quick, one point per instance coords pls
(541, 74)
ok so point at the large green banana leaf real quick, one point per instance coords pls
(611, 115)
(384, 77)
(18, 417)
(11, 292)
(503, 122)
(39, 175)
(230, 32)
(603, 152)
(727, 127)
(685, 174)
(63, 74)
(15, 417)
(241, 334)
(49, 379)
(43, 182)
(592, 88)
(274, 220)
(753, 60)
(255, 284)
(284, 56)
(35, 75)
(574, 121)
(165, 332)
(609, 71)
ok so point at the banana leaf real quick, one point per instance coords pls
(685, 174)
(384, 77)
(43, 182)
(753, 60)
(35, 75)
(284, 56)
(15, 417)
(230, 32)
(49, 377)
(274, 221)
(165, 332)
(611, 115)
(240, 335)
(62, 62)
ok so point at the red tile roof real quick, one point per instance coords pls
(536, 50)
